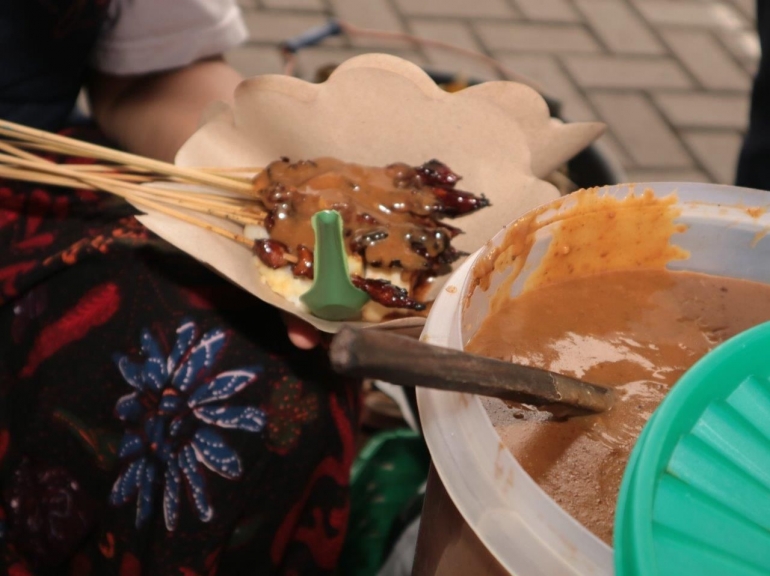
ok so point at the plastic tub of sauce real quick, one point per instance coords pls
(507, 520)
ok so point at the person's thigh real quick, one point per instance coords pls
(159, 422)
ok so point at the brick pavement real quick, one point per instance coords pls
(671, 78)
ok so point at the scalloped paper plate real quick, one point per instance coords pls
(374, 110)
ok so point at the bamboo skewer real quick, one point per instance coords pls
(137, 173)
(70, 151)
(146, 176)
(135, 178)
(13, 150)
(67, 145)
(140, 200)
(197, 222)
(119, 189)
(134, 197)
(229, 170)
(36, 145)
(240, 214)
(201, 224)
(19, 132)
(110, 168)
(96, 179)
(234, 216)
(115, 171)
(192, 220)
(189, 200)
(42, 178)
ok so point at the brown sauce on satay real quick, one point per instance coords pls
(391, 217)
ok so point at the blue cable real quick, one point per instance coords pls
(312, 36)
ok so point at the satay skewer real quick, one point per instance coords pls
(219, 207)
(121, 181)
(142, 201)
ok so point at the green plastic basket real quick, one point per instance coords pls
(385, 484)
(695, 497)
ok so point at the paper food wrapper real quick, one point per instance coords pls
(375, 110)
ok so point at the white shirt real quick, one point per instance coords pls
(144, 36)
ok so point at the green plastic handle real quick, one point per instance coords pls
(332, 295)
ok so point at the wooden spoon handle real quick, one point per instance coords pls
(408, 362)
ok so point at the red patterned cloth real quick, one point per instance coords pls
(154, 419)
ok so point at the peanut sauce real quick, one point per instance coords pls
(603, 307)
(636, 331)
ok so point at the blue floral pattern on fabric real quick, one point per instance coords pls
(172, 419)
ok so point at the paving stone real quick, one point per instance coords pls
(704, 110)
(370, 14)
(692, 14)
(751, 68)
(742, 44)
(627, 72)
(317, 5)
(456, 33)
(652, 175)
(707, 60)
(546, 71)
(311, 60)
(672, 1)
(455, 8)
(641, 130)
(255, 60)
(717, 151)
(269, 26)
(613, 147)
(548, 10)
(673, 87)
(620, 27)
(747, 7)
(526, 37)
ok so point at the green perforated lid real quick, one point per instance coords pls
(695, 497)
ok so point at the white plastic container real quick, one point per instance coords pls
(517, 522)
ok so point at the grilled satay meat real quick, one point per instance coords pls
(387, 294)
(391, 218)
